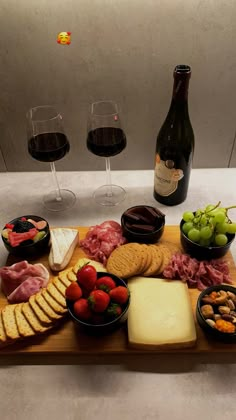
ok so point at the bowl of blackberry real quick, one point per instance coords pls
(26, 236)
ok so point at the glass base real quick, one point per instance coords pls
(109, 195)
(52, 201)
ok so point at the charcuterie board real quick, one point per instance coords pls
(66, 343)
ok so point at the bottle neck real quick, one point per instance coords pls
(179, 100)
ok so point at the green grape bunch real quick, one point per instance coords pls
(209, 226)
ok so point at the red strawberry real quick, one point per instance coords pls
(98, 300)
(105, 283)
(114, 310)
(120, 294)
(82, 309)
(87, 277)
(73, 291)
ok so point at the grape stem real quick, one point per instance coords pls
(217, 205)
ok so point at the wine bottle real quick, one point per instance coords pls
(175, 145)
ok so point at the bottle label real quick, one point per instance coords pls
(166, 176)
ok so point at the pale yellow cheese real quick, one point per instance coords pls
(160, 314)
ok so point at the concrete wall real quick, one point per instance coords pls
(122, 50)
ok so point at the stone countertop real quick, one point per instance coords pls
(21, 193)
(105, 392)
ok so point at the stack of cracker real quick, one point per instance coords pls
(43, 310)
(134, 259)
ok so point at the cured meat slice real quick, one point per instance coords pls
(102, 239)
(200, 274)
(12, 276)
(29, 287)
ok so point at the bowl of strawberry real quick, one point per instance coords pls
(98, 301)
(26, 236)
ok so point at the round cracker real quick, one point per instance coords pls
(126, 260)
(174, 248)
(156, 261)
(166, 258)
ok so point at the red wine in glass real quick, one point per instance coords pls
(47, 142)
(106, 141)
(106, 138)
(48, 147)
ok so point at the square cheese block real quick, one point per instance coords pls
(160, 314)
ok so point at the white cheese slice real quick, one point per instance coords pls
(160, 314)
(63, 243)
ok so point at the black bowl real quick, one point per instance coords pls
(204, 252)
(134, 236)
(212, 332)
(108, 327)
(31, 250)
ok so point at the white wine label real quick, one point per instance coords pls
(166, 176)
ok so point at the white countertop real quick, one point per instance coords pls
(21, 193)
(106, 392)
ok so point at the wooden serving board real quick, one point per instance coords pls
(67, 344)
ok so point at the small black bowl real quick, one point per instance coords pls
(204, 252)
(212, 332)
(108, 327)
(147, 237)
(33, 249)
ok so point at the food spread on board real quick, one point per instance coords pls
(115, 276)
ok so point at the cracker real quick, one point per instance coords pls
(53, 303)
(32, 318)
(126, 260)
(23, 325)
(156, 261)
(44, 305)
(9, 322)
(144, 257)
(39, 312)
(175, 249)
(166, 258)
(59, 285)
(71, 276)
(3, 337)
(82, 261)
(63, 276)
(56, 295)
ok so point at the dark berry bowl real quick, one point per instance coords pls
(204, 252)
(143, 224)
(108, 325)
(204, 320)
(30, 248)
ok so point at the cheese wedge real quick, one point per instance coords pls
(160, 314)
(63, 243)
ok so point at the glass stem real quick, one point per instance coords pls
(108, 175)
(54, 174)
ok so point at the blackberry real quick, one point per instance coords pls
(22, 226)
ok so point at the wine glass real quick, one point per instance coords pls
(47, 142)
(106, 138)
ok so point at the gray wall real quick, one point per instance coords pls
(123, 50)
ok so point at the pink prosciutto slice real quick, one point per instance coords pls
(29, 287)
(12, 276)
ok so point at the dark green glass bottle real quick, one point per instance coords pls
(175, 145)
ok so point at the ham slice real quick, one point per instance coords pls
(12, 277)
(29, 287)
(102, 239)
